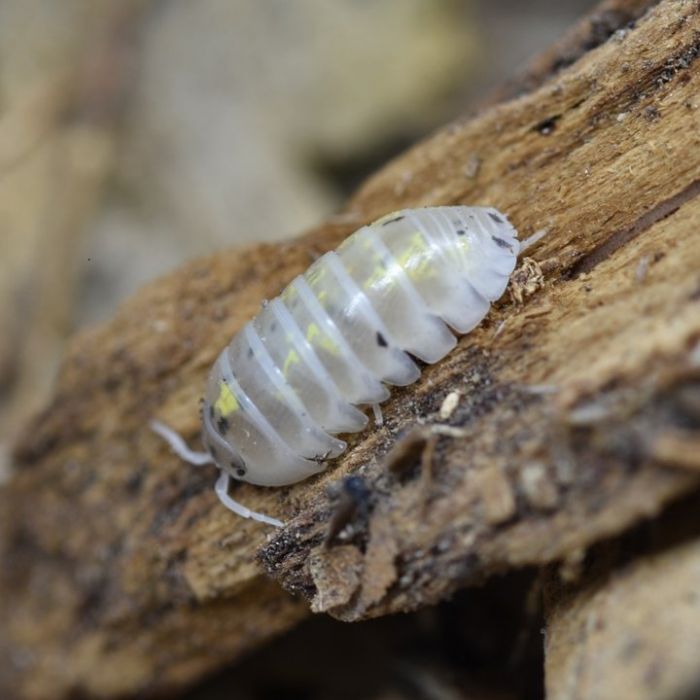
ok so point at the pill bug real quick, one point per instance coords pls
(298, 374)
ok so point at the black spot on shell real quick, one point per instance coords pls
(222, 425)
(381, 340)
(250, 353)
(240, 471)
(495, 217)
(211, 411)
(460, 231)
(501, 243)
(395, 219)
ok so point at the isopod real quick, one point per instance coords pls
(297, 376)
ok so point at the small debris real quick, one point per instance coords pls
(472, 166)
(642, 269)
(651, 113)
(497, 498)
(449, 404)
(539, 489)
(499, 329)
(645, 263)
(620, 35)
(378, 415)
(353, 503)
(448, 431)
(587, 414)
(526, 280)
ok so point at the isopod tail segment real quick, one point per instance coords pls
(302, 371)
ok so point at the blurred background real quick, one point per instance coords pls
(135, 134)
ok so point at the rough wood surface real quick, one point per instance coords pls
(629, 626)
(576, 415)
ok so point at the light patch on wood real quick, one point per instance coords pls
(336, 574)
(538, 487)
(497, 497)
(449, 404)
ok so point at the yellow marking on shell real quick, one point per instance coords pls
(378, 274)
(291, 359)
(313, 332)
(417, 249)
(227, 403)
(420, 250)
(463, 243)
(313, 276)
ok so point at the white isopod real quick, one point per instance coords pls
(293, 378)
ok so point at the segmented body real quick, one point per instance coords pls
(297, 375)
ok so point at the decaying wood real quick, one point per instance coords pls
(121, 574)
(629, 626)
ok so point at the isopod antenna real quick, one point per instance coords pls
(198, 459)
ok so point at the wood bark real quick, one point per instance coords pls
(577, 414)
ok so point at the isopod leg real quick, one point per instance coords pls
(179, 446)
(378, 415)
(222, 492)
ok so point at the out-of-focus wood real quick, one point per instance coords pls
(627, 627)
(122, 574)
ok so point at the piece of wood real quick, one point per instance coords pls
(627, 626)
(121, 574)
